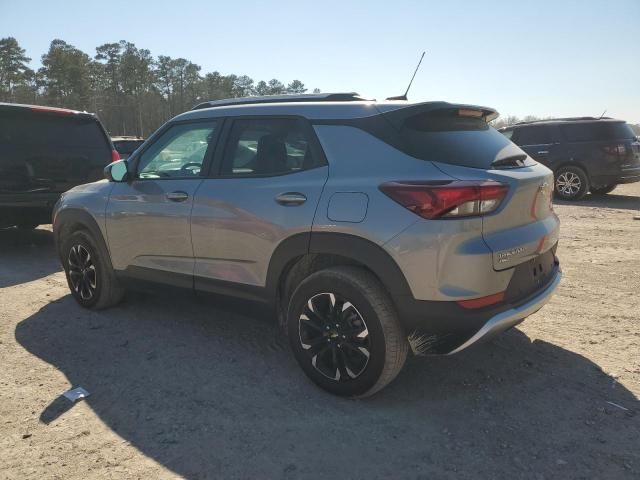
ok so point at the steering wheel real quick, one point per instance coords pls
(186, 168)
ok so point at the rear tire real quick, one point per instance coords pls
(345, 333)
(89, 273)
(603, 190)
(571, 183)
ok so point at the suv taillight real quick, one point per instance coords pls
(615, 149)
(447, 199)
(115, 156)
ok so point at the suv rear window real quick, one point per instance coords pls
(127, 147)
(51, 130)
(597, 131)
(444, 136)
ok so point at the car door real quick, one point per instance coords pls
(268, 184)
(540, 142)
(148, 217)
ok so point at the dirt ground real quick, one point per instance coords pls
(186, 389)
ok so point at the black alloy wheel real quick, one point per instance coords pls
(82, 272)
(334, 335)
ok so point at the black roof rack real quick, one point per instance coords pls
(307, 97)
(565, 119)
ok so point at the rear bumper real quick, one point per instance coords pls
(630, 175)
(509, 318)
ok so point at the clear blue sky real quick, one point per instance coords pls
(545, 58)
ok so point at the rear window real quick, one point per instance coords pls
(597, 132)
(51, 131)
(444, 136)
(127, 146)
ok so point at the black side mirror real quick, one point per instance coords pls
(117, 171)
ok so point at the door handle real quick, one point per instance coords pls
(177, 196)
(543, 152)
(291, 199)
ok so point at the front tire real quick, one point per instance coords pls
(571, 183)
(345, 333)
(603, 190)
(89, 273)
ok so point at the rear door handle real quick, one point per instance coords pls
(177, 196)
(291, 199)
(543, 152)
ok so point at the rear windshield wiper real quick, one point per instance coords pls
(512, 161)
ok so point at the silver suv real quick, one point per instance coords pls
(370, 228)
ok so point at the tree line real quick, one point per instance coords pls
(131, 91)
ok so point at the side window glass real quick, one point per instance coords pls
(179, 152)
(534, 136)
(507, 133)
(270, 146)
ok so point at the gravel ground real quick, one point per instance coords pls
(186, 389)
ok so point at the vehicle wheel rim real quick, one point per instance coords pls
(334, 336)
(568, 183)
(82, 272)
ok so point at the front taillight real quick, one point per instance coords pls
(457, 199)
(615, 149)
(115, 156)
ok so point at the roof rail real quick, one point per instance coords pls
(565, 119)
(291, 98)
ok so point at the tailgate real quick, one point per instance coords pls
(526, 225)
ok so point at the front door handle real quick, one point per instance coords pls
(291, 199)
(543, 152)
(177, 196)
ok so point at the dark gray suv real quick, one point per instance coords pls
(586, 154)
(371, 228)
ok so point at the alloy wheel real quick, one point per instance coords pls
(568, 183)
(334, 336)
(82, 272)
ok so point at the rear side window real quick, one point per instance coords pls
(534, 135)
(597, 132)
(269, 146)
(51, 131)
(444, 136)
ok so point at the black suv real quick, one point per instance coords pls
(45, 151)
(585, 154)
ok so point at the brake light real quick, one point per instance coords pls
(433, 200)
(482, 301)
(615, 149)
(115, 156)
(59, 111)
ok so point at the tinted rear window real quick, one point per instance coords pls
(597, 132)
(448, 138)
(127, 146)
(51, 130)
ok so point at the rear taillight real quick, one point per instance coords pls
(449, 199)
(615, 149)
(115, 156)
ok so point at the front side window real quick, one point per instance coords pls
(179, 153)
(533, 136)
(269, 146)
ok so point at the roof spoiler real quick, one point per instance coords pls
(397, 116)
